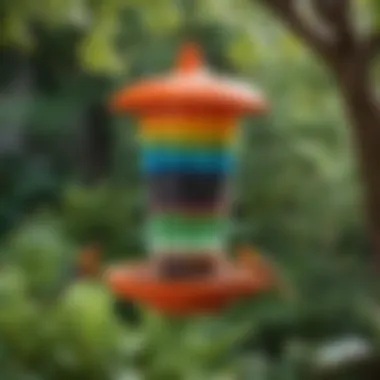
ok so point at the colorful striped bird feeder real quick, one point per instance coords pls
(188, 134)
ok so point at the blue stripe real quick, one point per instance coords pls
(175, 151)
(161, 162)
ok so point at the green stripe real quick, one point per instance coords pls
(181, 234)
(178, 244)
(187, 228)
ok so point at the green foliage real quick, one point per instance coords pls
(89, 333)
(100, 22)
(76, 332)
(79, 335)
(41, 252)
(103, 215)
(374, 8)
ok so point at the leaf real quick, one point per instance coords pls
(161, 17)
(244, 53)
(15, 30)
(98, 55)
(375, 5)
(89, 330)
(291, 47)
(40, 249)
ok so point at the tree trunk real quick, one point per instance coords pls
(364, 113)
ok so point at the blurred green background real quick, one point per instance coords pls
(69, 178)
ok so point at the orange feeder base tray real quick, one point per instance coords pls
(207, 295)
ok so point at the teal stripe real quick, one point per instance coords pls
(160, 162)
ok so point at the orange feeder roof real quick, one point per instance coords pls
(190, 86)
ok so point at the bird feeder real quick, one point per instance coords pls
(188, 134)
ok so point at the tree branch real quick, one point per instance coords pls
(336, 14)
(286, 10)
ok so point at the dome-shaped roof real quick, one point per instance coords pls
(190, 86)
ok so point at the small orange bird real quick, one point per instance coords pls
(90, 262)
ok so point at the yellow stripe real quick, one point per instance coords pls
(192, 131)
(184, 126)
(188, 138)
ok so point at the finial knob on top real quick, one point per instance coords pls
(190, 58)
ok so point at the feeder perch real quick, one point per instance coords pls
(188, 133)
